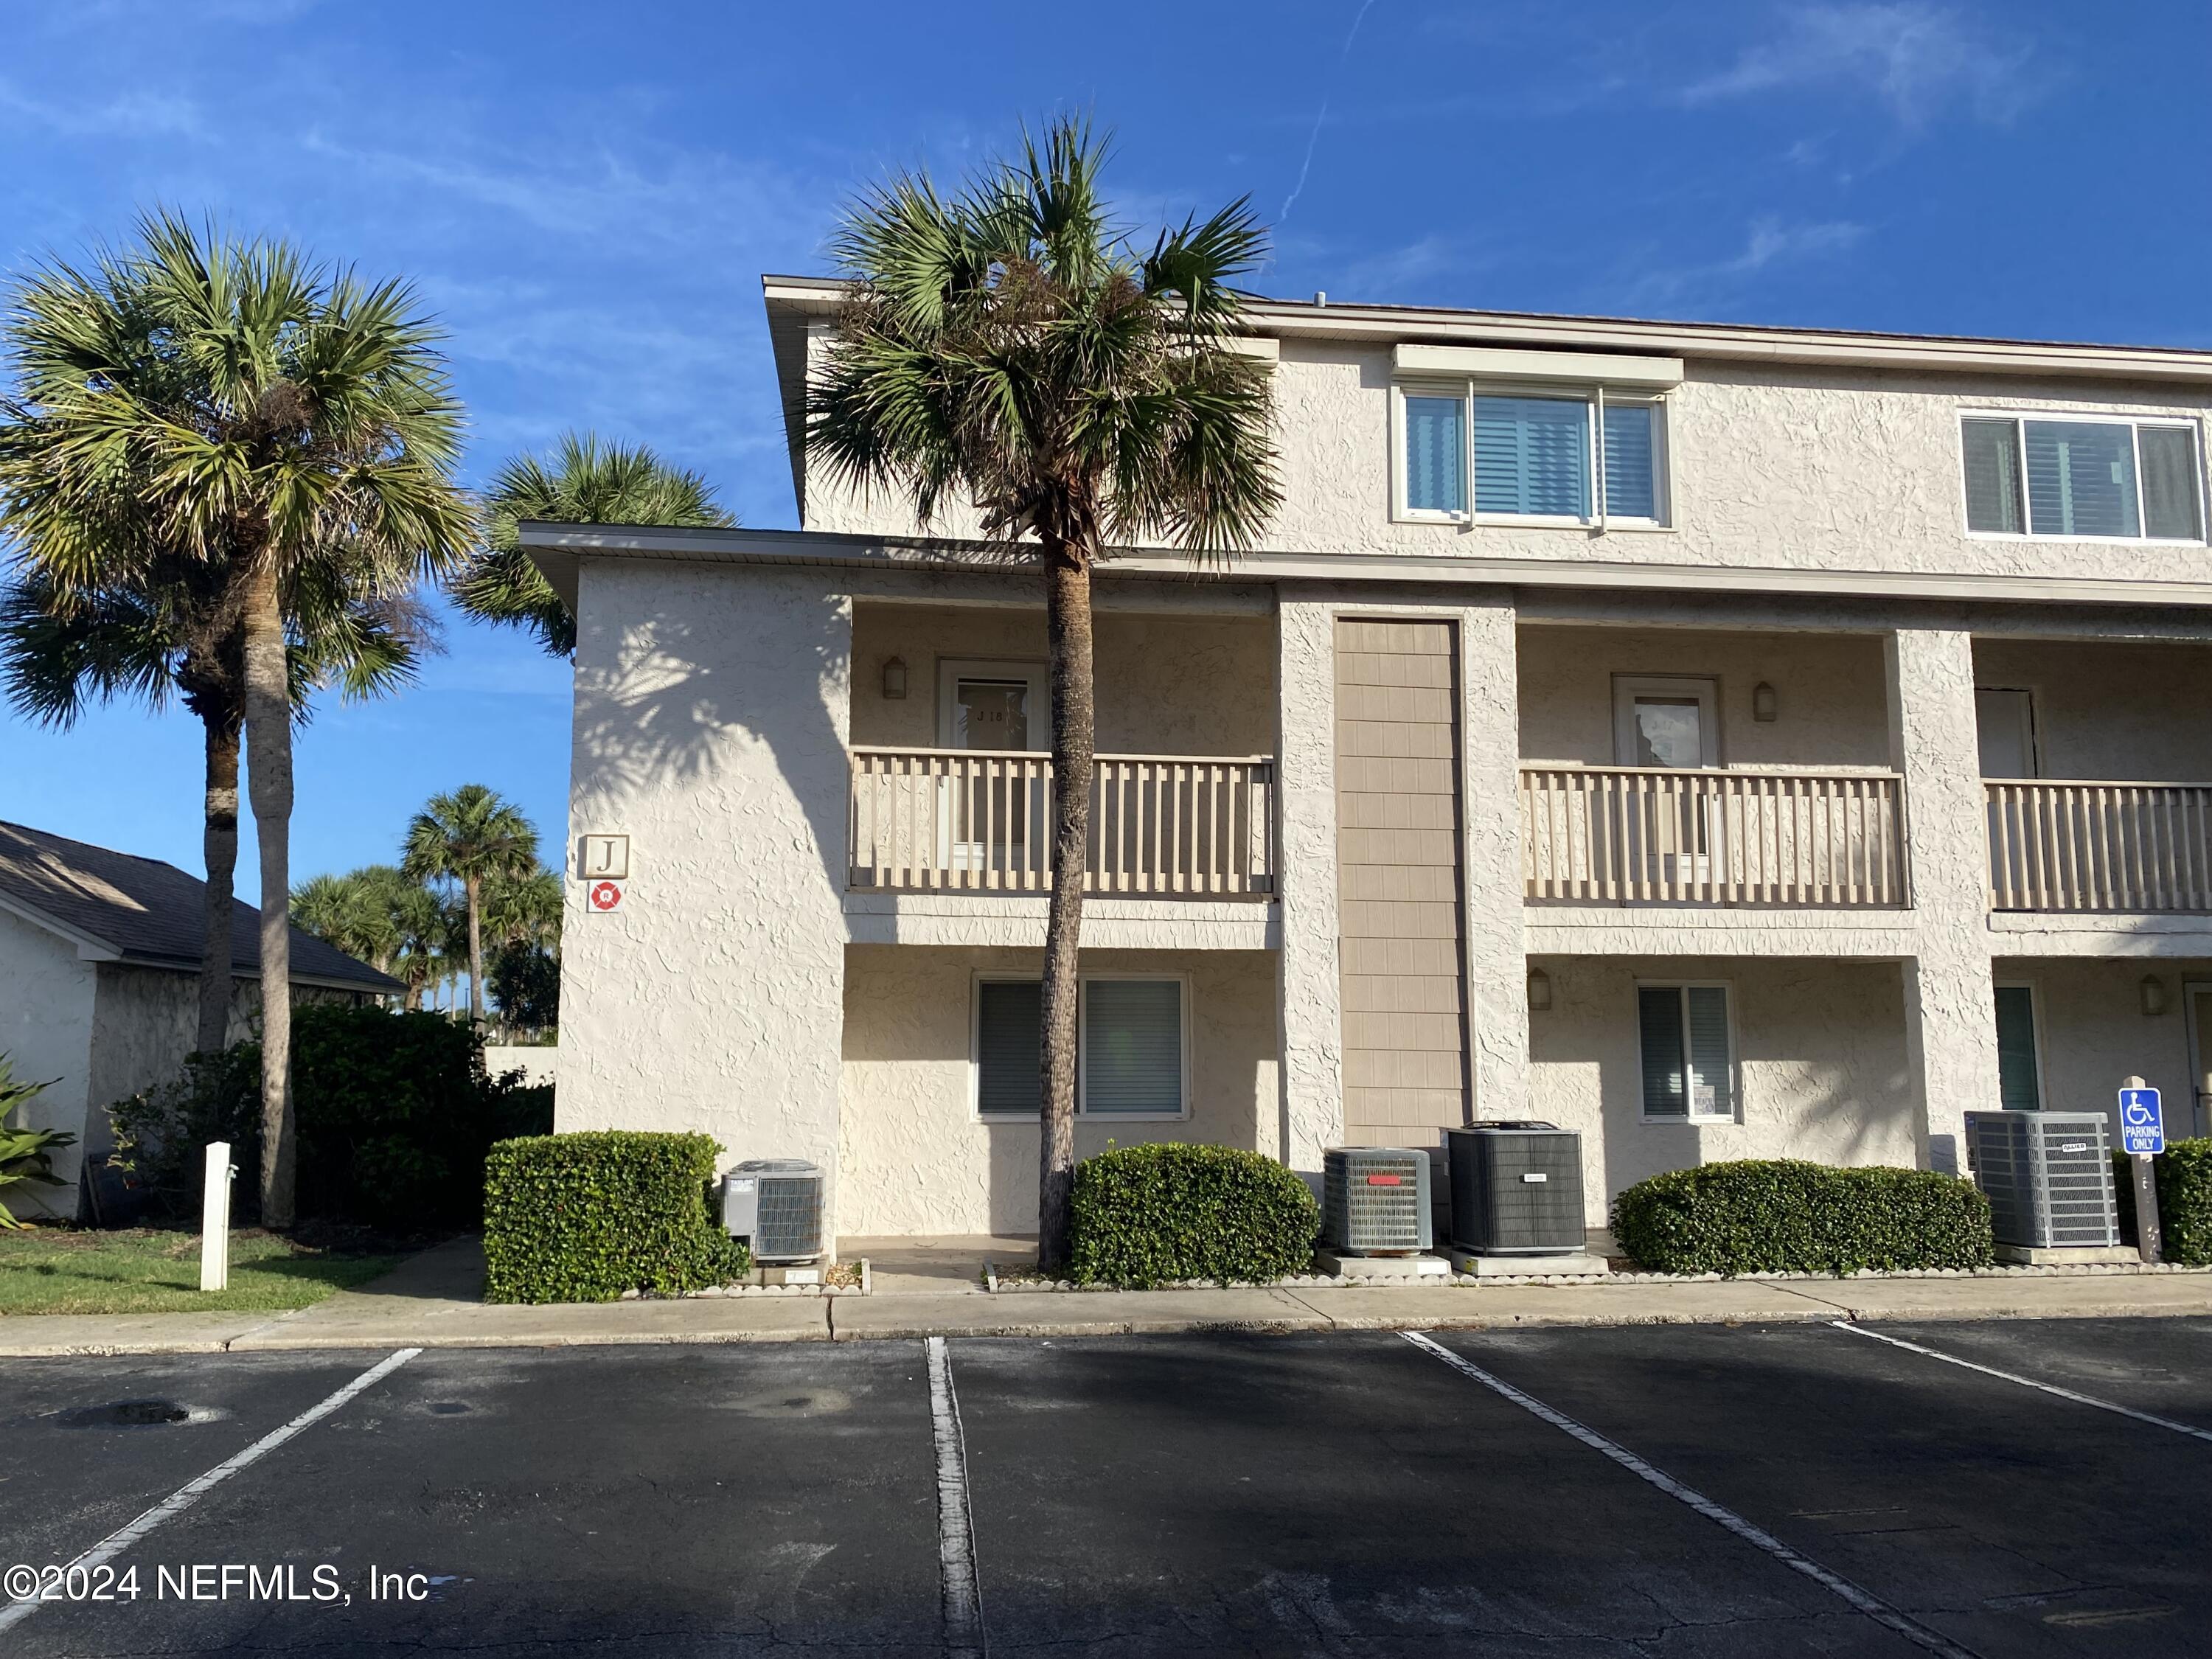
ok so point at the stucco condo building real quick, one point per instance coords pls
(1726, 742)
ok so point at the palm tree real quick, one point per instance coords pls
(234, 404)
(586, 482)
(170, 634)
(470, 836)
(1010, 345)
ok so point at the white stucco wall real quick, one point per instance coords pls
(1831, 701)
(2135, 713)
(1166, 684)
(47, 1003)
(1772, 467)
(1310, 1022)
(915, 1158)
(1490, 807)
(2094, 1034)
(710, 728)
(538, 1062)
(1819, 1050)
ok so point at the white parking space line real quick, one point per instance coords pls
(191, 1493)
(1864, 1601)
(2112, 1406)
(964, 1635)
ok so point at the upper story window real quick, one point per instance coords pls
(1577, 456)
(2082, 477)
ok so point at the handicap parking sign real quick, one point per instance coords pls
(2142, 1128)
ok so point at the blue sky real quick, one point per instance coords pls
(587, 195)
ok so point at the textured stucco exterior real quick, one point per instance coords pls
(2094, 1035)
(1772, 468)
(1815, 543)
(45, 1030)
(916, 1157)
(1821, 1056)
(710, 728)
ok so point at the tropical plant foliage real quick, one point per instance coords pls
(1010, 349)
(207, 400)
(586, 480)
(26, 1154)
(472, 838)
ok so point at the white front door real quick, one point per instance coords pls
(993, 813)
(1669, 722)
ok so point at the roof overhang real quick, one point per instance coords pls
(559, 549)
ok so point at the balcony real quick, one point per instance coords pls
(939, 820)
(2131, 848)
(1630, 836)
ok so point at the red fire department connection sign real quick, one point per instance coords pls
(605, 896)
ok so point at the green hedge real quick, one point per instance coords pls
(583, 1218)
(394, 1114)
(1147, 1215)
(2183, 1172)
(1784, 1215)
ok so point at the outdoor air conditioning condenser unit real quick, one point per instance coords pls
(775, 1204)
(1374, 1200)
(1516, 1189)
(2048, 1176)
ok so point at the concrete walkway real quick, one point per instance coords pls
(432, 1301)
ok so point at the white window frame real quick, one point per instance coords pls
(1705, 688)
(1735, 1114)
(1593, 396)
(2036, 1023)
(2021, 417)
(981, 977)
(951, 670)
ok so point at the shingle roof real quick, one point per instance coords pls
(147, 912)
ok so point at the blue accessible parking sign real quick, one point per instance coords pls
(2143, 1126)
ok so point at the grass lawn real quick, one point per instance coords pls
(57, 1270)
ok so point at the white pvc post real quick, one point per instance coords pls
(214, 1219)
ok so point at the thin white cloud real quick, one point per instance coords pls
(1919, 58)
(138, 114)
(1769, 242)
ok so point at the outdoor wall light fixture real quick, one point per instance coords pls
(1765, 704)
(1540, 990)
(895, 678)
(2153, 995)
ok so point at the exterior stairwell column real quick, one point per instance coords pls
(1309, 1014)
(1489, 803)
(1950, 1020)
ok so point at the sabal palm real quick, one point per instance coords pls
(231, 403)
(585, 481)
(170, 634)
(1010, 347)
(470, 836)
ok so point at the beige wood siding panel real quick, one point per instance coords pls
(1401, 891)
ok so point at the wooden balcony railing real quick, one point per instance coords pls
(2110, 846)
(927, 820)
(1628, 835)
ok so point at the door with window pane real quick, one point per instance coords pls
(992, 811)
(1668, 724)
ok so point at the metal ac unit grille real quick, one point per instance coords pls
(1516, 1189)
(1375, 1199)
(2048, 1176)
(786, 1217)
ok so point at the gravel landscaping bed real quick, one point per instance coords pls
(1023, 1282)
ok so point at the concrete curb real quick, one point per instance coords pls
(355, 1319)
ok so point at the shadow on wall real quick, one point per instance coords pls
(683, 698)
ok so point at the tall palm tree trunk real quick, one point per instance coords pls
(1074, 724)
(473, 888)
(268, 785)
(219, 848)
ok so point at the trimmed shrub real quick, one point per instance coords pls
(1788, 1216)
(583, 1218)
(395, 1112)
(1147, 1215)
(2183, 1173)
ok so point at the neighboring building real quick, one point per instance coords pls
(1722, 741)
(100, 960)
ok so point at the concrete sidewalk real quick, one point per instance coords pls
(433, 1300)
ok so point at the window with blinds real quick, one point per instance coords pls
(1129, 1053)
(2111, 480)
(2020, 1077)
(1686, 1051)
(1536, 455)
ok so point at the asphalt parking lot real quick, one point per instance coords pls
(1643, 1491)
